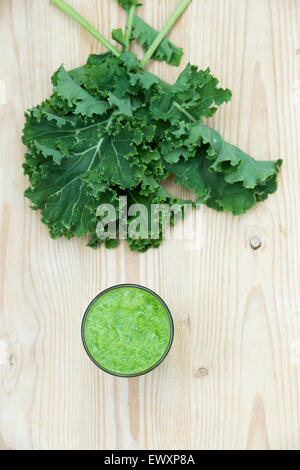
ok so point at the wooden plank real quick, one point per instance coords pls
(232, 378)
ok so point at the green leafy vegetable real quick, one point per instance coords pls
(112, 132)
(146, 35)
(128, 3)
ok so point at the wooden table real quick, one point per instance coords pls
(232, 378)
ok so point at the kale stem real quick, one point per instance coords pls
(170, 23)
(66, 8)
(129, 26)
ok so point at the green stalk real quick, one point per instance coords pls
(66, 8)
(170, 23)
(129, 26)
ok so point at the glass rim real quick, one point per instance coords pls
(137, 286)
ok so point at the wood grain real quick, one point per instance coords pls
(232, 378)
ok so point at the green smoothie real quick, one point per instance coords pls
(127, 330)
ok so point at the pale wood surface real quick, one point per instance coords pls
(236, 311)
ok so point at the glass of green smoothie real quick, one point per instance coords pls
(127, 330)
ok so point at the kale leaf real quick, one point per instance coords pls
(112, 132)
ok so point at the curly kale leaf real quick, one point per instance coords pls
(213, 190)
(236, 165)
(111, 129)
(166, 51)
(145, 35)
(129, 3)
(194, 95)
(222, 176)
